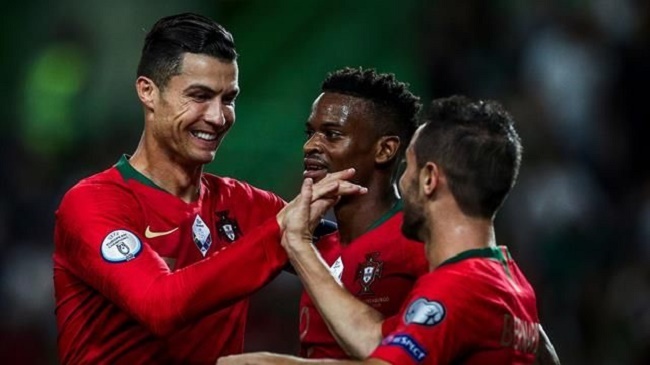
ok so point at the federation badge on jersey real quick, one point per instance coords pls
(201, 235)
(424, 312)
(227, 227)
(120, 245)
(368, 272)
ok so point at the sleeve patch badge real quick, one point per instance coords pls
(425, 312)
(120, 245)
(408, 344)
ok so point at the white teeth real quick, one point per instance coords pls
(205, 136)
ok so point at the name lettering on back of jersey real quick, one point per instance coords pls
(424, 312)
(336, 270)
(519, 334)
(368, 272)
(407, 343)
(120, 245)
(227, 227)
(201, 235)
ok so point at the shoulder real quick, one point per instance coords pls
(103, 185)
(102, 192)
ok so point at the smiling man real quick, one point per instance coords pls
(153, 258)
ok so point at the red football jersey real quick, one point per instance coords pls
(141, 277)
(475, 308)
(380, 268)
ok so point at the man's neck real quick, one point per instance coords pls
(453, 233)
(177, 179)
(356, 214)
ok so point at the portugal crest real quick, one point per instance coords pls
(368, 272)
(227, 227)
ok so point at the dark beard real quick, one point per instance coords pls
(413, 221)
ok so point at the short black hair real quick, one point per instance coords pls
(476, 145)
(175, 35)
(396, 107)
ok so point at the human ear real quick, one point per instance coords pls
(429, 178)
(387, 148)
(147, 91)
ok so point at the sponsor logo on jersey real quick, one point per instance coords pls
(424, 312)
(227, 227)
(368, 272)
(407, 343)
(201, 235)
(120, 245)
(151, 234)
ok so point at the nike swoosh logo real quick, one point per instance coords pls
(151, 234)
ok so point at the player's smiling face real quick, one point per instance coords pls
(196, 109)
(339, 136)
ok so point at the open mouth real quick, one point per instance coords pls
(314, 168)
(204, 136)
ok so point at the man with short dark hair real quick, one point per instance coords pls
(365, 120)
(154, 259)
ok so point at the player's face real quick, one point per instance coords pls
(196, 109)
(409, 184)
(339, 136)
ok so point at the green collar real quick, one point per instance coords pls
(495, 253)
(386, 216)
(129, 173)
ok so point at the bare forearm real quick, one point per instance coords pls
(355, 325)
(265, 358)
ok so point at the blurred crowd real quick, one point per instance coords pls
(573, 74)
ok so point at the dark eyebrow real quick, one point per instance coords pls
(331, 124)
(233, 93)
(326, 124)
(200, 87)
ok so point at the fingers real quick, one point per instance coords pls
(306, 193)
(339, 175)
(336, 184)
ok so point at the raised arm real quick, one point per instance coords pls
(100, 243)
(356, 326)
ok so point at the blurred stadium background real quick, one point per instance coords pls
(574, 73)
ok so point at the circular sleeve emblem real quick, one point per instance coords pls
(425, 312)
(120, 245)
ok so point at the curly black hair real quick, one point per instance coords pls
(396, 108)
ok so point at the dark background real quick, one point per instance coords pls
(573, 73)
